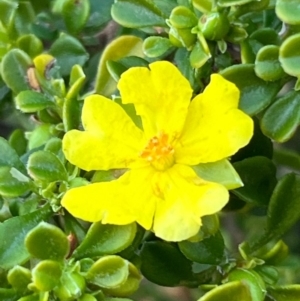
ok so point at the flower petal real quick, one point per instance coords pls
(186, 199)
(111, 139)
(125, 200)
(215, 128)
(161, 97)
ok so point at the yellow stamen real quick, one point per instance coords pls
(159, 152)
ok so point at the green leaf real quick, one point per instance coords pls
(14, 68)
(99, 14)
(47, 241)
(12, 248)
(285, 293)
(77, 80)
(289, 55)
(129, 286)
(231, 291)
(156, 46)
(284, 207)
(181, 59)
(256, 94)
(75, 14)
(87, 297)
(259, 145)
(283, 211)
(105, 239)
(39, 136)
(137, 14)
(287, 157)
(71, 286)
(282, 118)
(40, 27)
(117, 68)
(164, 264)
(288, 11)
(227, 3)
(199, 55)
(8, 294)
(68, 52)
(203, 5)
(7, 12)
(46, 274)
(121, 47)
(31, 101)
(207, 251)
(71, 114)
(221, 172)
(267, 65)
(253, 280)
(166, 6)
(18, 141)
(9, 157)
(45, 166)
(30, 44)
(23, 19)
(108, 272)
(258, 187)
(12, 182)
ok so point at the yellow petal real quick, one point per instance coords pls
(161, 97)
(215, 129)
(186, 198)
(111, 139)
(125, 200)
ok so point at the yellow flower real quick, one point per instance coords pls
(160, 190)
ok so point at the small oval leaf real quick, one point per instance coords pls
(256, 94)
(45, 166)
(207, 251)
(105, 239)
(108, 272)
(31, 101)
(14, 68)
(137, 14)
(282, 118)
(47, 241)
(158, 258)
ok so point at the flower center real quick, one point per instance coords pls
(159, 152)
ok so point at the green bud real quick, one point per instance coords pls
(214, 25)
(181, 17)
(46, 275)
(71, 287)
(19, 277)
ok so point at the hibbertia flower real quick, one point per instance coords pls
(160, 190)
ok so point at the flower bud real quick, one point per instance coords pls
(214, 25)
